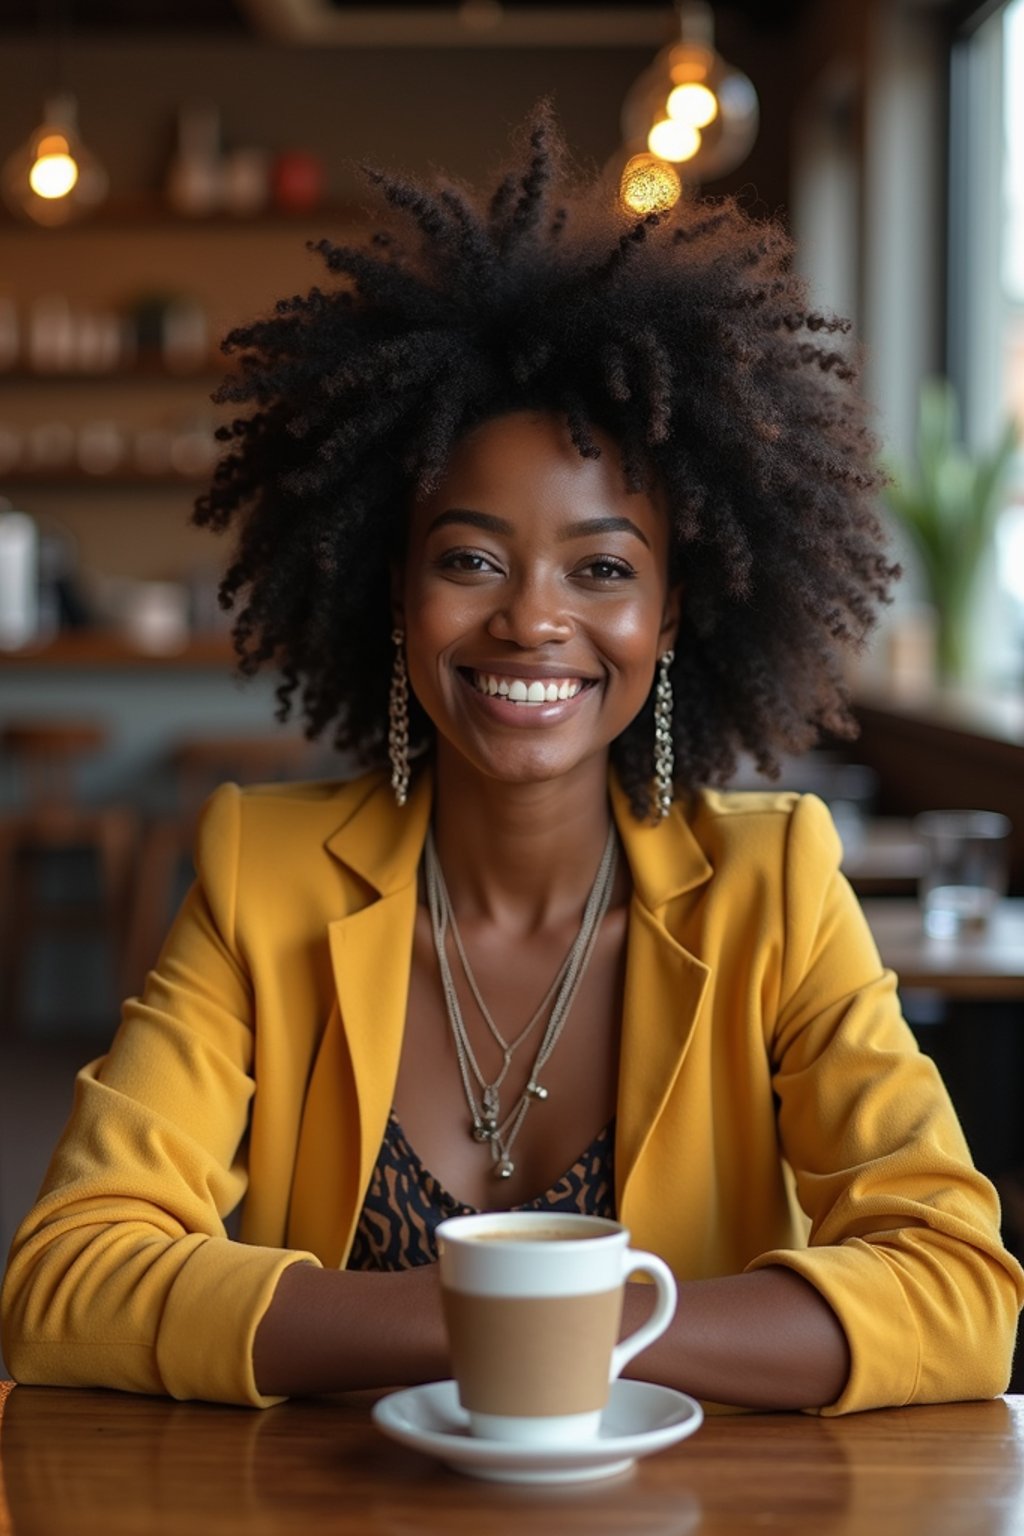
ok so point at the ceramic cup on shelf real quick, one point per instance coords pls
(532, 1303)
(966, 867)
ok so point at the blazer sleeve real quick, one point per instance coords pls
(123, 1274)
(904, 1238)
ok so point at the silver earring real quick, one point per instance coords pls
(664, 756)
(398, 720)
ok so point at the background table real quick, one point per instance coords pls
(103, 1464)
(978, 964)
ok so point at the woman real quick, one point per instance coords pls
(562, 512)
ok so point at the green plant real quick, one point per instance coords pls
(948, 503)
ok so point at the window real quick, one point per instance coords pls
(986, 295)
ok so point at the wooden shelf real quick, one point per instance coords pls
(151, 214)
(146, 370)
(106, 648)
(119, 480)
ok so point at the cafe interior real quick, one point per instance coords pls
(162, 167)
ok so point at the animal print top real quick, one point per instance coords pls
(405, 1203)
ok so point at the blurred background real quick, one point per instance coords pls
(162, 165)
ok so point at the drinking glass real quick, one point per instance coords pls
(965, 868)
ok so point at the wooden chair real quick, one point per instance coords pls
(49, 819)
(198, 765)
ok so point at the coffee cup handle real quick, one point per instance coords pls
(664, 1307)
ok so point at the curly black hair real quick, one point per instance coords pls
(686, 336)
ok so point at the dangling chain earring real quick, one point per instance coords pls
(664, 756)
(398, 720)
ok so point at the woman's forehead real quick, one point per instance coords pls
(525, 461)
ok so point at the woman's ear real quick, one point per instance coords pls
(671, 616)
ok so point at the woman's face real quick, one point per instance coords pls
(535, 600)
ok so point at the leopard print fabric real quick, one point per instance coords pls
(405, 1203)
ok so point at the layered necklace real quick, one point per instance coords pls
(489, 1123)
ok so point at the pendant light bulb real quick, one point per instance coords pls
(53, 179)
(55, 169)
(691, 107)
(672, 140)
(648, 185)
(692, 103)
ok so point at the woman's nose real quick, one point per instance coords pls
(531, 612)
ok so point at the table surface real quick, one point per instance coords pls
(106, 1464)
(980, 963)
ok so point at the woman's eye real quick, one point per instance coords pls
(609, 570)
(465, 560)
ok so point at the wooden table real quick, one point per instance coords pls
(978, 964)
(103, 1464)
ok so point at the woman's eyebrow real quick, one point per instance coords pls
(595, 525)
(586, 528)
(484, 520)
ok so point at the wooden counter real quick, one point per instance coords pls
(98, 648)
(79, 1463)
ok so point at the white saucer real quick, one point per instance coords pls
(640, 1418)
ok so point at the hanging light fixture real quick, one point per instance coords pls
(690, 111)
(52, 178)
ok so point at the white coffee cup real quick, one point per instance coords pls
(533, 1303)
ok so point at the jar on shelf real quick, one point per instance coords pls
(196, 176)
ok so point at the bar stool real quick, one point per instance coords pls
(198, 765)
(46, 756)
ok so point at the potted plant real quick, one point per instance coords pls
(948, 502)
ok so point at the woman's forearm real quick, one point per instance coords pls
(330, 1330)
(766, 1339)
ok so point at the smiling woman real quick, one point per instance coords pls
(557, 512)
(535, 600)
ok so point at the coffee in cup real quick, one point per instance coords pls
(532, 1303)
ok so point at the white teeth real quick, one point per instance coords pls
(521, 692)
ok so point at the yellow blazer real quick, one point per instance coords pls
(773, 1108)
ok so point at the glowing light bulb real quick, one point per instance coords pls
(648, 185)
(53, 178)
(691, 106)
(692, 103)
(670, 140)
(55, 170)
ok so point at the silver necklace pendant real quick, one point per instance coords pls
(487, 1126)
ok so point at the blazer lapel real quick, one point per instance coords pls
(665, 983)
(357, 1063)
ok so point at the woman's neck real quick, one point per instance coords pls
(520, 855)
